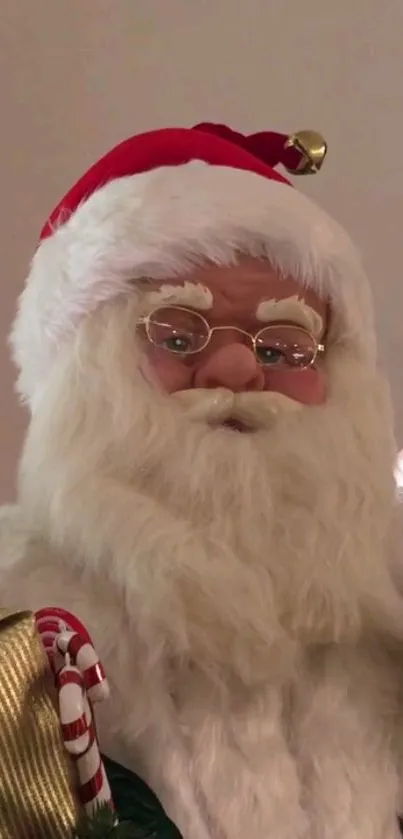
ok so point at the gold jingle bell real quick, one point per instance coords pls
(312, 148)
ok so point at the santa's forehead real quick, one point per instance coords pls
(243, 279)
(249, 287)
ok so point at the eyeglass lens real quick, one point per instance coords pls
(184, 332)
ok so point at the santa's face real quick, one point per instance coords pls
(239, 328)
(135, 454)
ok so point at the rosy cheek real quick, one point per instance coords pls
(172, 373)
(305, 386)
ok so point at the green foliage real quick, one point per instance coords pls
(136, 803)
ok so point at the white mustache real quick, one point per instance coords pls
(216, 406)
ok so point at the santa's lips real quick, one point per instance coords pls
(236, 425)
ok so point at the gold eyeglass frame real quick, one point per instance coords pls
(145, 321)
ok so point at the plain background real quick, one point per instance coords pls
(79, 76)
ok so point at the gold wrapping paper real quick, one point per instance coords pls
(37, 784)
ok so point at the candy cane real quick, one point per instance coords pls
(80, 680)
(80, 739)
(82, 653)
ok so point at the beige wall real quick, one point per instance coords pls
(78, 76)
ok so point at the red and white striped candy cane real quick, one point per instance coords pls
(82, 653)
(80, 738)
(80, 680)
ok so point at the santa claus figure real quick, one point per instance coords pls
(207, 484)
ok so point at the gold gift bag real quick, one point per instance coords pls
(37, 784)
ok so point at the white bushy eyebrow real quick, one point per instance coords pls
(293, 309)
(193, 295)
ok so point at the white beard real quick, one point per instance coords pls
(230, 546)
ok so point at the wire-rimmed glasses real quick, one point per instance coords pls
(185, 333)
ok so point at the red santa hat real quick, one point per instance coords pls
(160, 201)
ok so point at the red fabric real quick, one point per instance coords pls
(267, 146)
(213, 144)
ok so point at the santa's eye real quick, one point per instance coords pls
(177, 330)
(269, 355)
(177, 344)
(287, 345)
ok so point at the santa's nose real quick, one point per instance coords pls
(233, 367)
